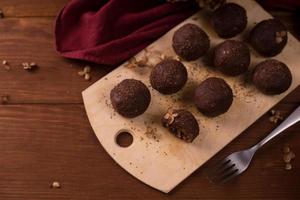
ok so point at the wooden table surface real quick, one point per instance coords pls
(45, 135)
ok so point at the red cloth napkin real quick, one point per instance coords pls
(291, 5)
(111, 31)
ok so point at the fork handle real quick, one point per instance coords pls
(291, 120)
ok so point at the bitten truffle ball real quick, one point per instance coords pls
(232, 57)
(168, 76)
(182, 124)
(272, 77)
(213, 97)
(229, 20)
(130, 98)
(269, 37)
(190, 42)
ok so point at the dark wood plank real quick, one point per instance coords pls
(43, 143)
(31, 8)
(56, 81)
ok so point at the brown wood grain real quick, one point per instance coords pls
(31, 8)
(44, 143)
(56, 80)
(45, 135)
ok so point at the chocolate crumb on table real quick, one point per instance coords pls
(288, 166)
(288, 156)
(275, 116)
(85, 73)
(29, 66)
(6, 65)
(4, 99)
(55, 185)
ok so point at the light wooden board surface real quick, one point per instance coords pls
(155, 156)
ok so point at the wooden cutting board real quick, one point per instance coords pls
(156, 157)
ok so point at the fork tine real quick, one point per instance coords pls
(229, 176)
(223, 164)
(222, 178)
(219, 170)
(223, 173)
(226, 168)
(218, 167)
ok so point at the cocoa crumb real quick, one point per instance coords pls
(276, 116)
(29, 66)
(5, 64)
(87, 69)
(85, 73)
(87, 77)
(286, 149)
(55, 184)
(288, 156)
(288, 166)
(140, 61)
(4, 99)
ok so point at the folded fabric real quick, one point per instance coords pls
(291, 5)
(111, 31)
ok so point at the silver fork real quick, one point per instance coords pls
(238, 162)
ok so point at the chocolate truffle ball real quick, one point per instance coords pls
(168, 76)
(190, 42)
(229, 20)
(130, 98)
(232, 57)
(182, 124)
(213, 97)
(269, 37)
(272, 77)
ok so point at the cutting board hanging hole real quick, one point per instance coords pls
(124, 138)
